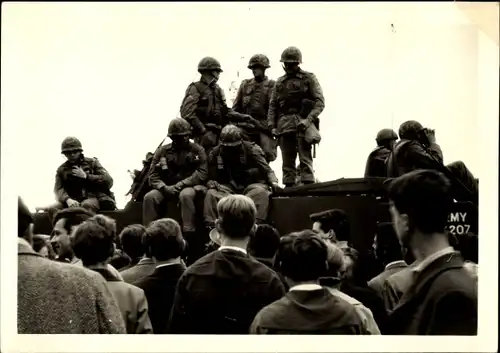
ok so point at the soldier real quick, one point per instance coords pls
(175, 170)
(289, 117)
(253, 99)
(376, 162)
(238, 167)
(82, 181)
(204, 105)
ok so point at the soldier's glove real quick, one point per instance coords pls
(303, 124)
(72, 203)
(212, 184)
(169, 190)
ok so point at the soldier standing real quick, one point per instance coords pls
(238, 167)
(289, 116)
(253, 99)
(82, 181)
(204, 105)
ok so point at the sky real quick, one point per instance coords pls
(114, 75)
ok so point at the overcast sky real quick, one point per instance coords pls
(114, 75)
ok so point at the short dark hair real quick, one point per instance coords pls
(336, 220)
(93, 241)
(74, 216)
(165, 239)
(237, 216)
(389, 248)
(131, 240)
(264, 242)
(302, 256)
(425, 196)
(24, 218)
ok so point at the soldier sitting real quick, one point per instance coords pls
(238, 167)
(253, 99)
(175, 170)
(376, 162)
(81, 181)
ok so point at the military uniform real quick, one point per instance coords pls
(204, 107)
(285, 109)
(247, 173)
(92, 192)
(253, 99)
(376, 164)
(184, 168)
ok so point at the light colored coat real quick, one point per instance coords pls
(58, 298)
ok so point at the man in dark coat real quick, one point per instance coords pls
(223, 291)
(442, 297)
(82, 181)
(376, 164)
(308, 308)
(166, 245)
(417, 149)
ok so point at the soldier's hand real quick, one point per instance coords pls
(212, 184)
(303, 124)
(72, 203)
(178, 187)
(431, 135)
(78, 172)
(169, 190)
(276, 187)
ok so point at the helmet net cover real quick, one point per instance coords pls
(259, 60)
(71, 144)
(179, 127)
(291, 55)
(209, 63)
(230, 136)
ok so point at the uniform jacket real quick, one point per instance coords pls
(442, 300)
(97, 184)
(253, 98)
(60, 298)
(170, 166)
(221, 293)
(376, 164)
(250, 168)
(287, 100)
(131, 301)
(409, 155)
(377, 283)
(159, 288)
(308, 312)
(205, 104)
(143, 268)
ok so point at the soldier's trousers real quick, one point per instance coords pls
(268, 145)
(92, 204)
(153, 208)
(291, 145)
(259, 193)
(463, 178)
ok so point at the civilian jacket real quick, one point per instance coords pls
(54, 298)
(221, 293)
(442, 300)
(377, 283)
(159, 288)
(144, 268)
(131, 301)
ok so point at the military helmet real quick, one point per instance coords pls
(230, 136)
(209, 64)
(386, 134)
(71, 144)
(291, 55)
(259, 60)
(178, 127)
(410, 129)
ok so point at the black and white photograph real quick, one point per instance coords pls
(209, 173)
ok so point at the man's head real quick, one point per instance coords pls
(94, 240)
(410, 130)
(179, 131)
(386, 244)
(72, 149)
(131, 240)
(210, 69)
(302, 257)
(231, 140)
(165, 239)
(264, 242)
(24, 221)
(65, 221)
(335, 259)
(420, 202)
(259, 63)
(236, 219)
(386, 138)
(291, 59)
(331, 224)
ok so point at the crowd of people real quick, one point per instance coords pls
(253, 280)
